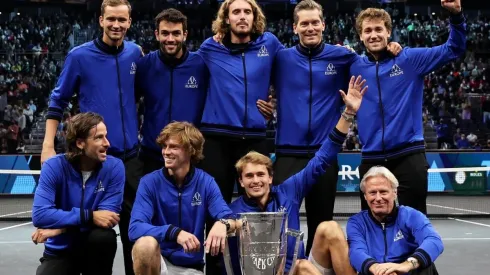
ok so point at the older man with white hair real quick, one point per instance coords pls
(388, 239)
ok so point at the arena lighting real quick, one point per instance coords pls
(18, 13)
(433, 13)
(415, 14)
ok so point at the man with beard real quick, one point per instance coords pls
(77, 202)
(173, 83)
(240, 68)
(102, 74)
(390, 119)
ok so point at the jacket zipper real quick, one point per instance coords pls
(180, 208)
(171, 95)
(121, 108)
(82, 210)
(381, 108)
(386, 243)
(310, 103)
(246, 95)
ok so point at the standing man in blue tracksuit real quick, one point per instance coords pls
(256, 175)
(387, 239)
(77, 202)
(173, 82)
(240, 70)
(309, 106)
(390, 118)
(102, 75)
(169, 214)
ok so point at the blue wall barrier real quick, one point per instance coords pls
(348, 179)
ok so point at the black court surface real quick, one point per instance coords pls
(466, 242)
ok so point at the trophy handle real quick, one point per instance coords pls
(227, 256)
(299, 238)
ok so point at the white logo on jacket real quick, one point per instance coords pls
(398, 236)
(263, 51)
(196, 199)
(330, 69)
(396, 71)
(133, 68)
(100, 187)
(191, 83)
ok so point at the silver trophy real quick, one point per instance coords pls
(262, 244)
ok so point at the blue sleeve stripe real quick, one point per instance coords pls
(337, 137)
(367, 264)
(54, 113)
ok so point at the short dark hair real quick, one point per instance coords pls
(171, 15)
(79, 127)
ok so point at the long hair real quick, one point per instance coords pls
(220, 25)
(188, 135)
(79, 127)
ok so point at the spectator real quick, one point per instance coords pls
(463, 142)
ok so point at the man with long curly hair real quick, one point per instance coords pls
(77, 202)
(240, 66)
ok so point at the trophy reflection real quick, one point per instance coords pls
(262, 240)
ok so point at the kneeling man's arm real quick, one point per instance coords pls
(44, 211)
(429, 241)
(358, 249)
(142, 215)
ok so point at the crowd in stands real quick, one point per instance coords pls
(32, 50)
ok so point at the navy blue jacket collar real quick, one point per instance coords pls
(385, 54)
(310, 51)
(188, 178)
(75, 164)
(237, 48)
(388, 220)
(101, 45)
(253, 202)
(173, 61)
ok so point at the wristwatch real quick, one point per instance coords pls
(225, 222)
(413, 261)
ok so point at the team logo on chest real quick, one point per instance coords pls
(100, 187)
(133, 68)
(196, 199)
(398, 236)
(282, 209)
(263, 51)
(396, 71)
(191, 83)
(330, 69)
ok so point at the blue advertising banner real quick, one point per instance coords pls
(348, 178)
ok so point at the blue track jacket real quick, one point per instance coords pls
(237, 80)
(289, 195)
(405, 233)
(103, 78)
(172, 92)
(390, 117)
(62, 200)
(307, 84)
(162, 210)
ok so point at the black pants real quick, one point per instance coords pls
(220, 155)
(320, 201)
(93, 255)
(136, 168)
(411, 172)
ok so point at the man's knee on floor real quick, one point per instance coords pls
(145, 250)
(330, 232)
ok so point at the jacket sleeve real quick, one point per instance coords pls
(142, 214)
(217, 207)
(426, 60)
(113, 197)
(301, 183)
(66, 86)
(358, 249)
(44, 212)
(429, 241)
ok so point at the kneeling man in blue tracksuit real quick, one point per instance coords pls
(77, 202)
(329, 252)
(389, 239)
(169, 213)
